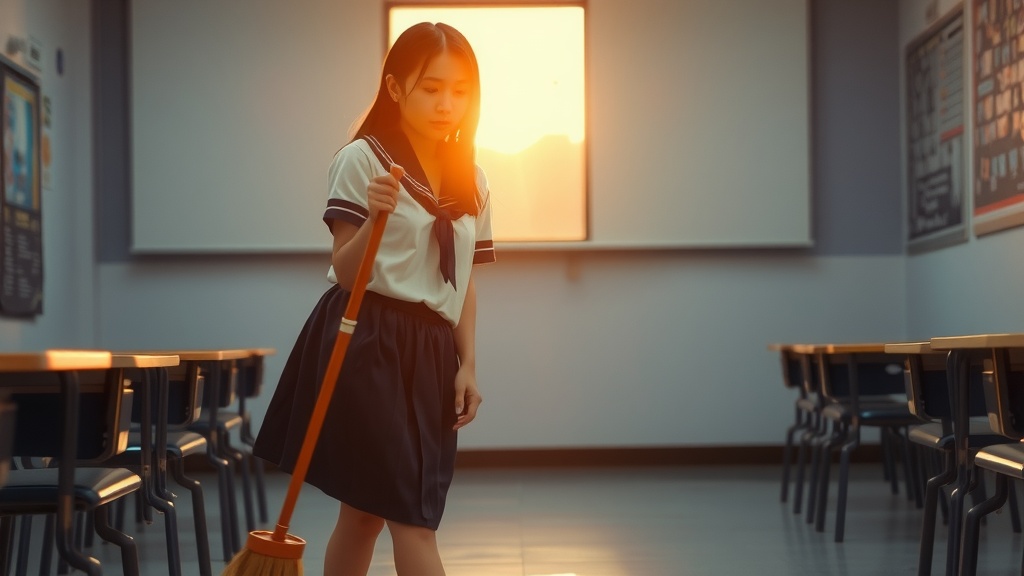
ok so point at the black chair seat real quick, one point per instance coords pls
(807, 404)
(886, 413)
(35, 491)
(1006, 459)
(225, 421)
(930, 435)
(179, 444)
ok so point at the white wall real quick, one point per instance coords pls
(588, 349)
(67, 208)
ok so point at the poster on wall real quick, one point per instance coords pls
(937, 205)
(998, 112)
(21, 254)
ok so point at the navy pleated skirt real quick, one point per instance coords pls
(387, 446)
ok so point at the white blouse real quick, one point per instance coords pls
(407, 263)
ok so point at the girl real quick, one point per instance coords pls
(387, 449)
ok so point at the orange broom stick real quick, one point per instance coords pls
(279, 553)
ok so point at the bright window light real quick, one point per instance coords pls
(531, 141)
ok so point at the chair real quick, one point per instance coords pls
(862, 386)
(1003, 385)
(219, 392)
(929, 398)
(172, 395)
(249, 385)
(796, 374)
(95, 428)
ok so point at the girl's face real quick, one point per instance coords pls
(433, 108)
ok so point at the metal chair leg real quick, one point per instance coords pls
(24, 545)
(931, 497)
(972, 526)
(129, 551)
(199, 514)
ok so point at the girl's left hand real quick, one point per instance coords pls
(467, 397)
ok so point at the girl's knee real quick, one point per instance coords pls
(410, 532)
(360, 521)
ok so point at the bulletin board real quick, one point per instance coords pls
(998, 113)
(21, 253)
(937, 205)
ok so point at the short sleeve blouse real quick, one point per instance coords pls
(407, 263)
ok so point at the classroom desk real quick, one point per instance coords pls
(963, 351)
(16, 369)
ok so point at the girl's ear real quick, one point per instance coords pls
(393, 87)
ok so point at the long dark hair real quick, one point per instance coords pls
(415, 49)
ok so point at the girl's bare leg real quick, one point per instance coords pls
(415, 550)
(350, 548)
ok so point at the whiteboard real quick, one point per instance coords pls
(698, 121)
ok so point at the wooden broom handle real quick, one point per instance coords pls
(348, 323)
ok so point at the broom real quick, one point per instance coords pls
(279, 553)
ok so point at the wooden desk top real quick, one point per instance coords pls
(807, 348)
(262, 351)
(144, 360)
(194, 355)
(978, 341)
(910, 348)
(856, 348)
(54, 361)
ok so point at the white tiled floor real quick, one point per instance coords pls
(693, 521)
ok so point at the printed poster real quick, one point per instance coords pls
(21, 256)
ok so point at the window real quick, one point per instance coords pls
(531, 141)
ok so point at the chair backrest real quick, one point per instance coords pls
(1003, 384)
(250, 376)
(104, 415)
(184, 395)
(927, 387)
(8, 415)
(226, 386)
(792, 371)
(877, 375)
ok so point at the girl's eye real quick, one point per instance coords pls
(430, 90)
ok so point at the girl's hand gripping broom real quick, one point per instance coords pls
(278, 553)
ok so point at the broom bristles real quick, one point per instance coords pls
(249, 563)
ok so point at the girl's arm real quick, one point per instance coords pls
(350, 241)
(349, 245)
(467, 396)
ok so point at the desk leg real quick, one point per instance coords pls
(66, 481)
(958, 378)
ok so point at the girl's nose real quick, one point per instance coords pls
(444, 103)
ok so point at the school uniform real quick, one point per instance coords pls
(387, 446)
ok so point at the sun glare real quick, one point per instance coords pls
(530, 140)
(531, 69)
